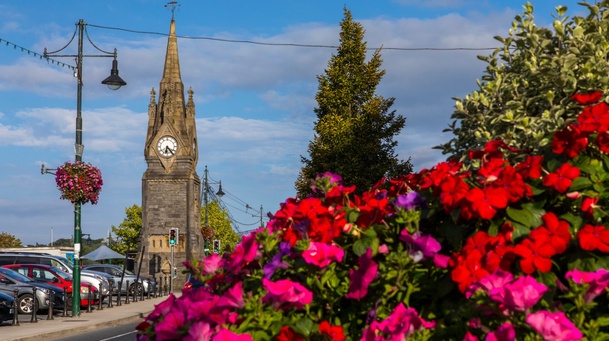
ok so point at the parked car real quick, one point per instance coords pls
(62, 263)
(54, 276)
(6, 307)
(116, 272)
(192, 282)
(11, 280)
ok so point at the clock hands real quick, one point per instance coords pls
(168, 150)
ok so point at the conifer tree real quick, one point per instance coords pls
(355, 128)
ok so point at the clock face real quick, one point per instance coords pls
(167, 146)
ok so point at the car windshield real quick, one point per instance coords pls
(17, 276)
(61, 274)
(65, 262)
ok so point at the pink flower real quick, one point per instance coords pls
(162, 308)
(245, 252)
(322, 254)
(233, 297)
(226, 335)
(441, 261)
(361, 278)
(470, 337)
(285, 293)
(211, 264)
(505, 332)
(597, 281)
(521, 294)
(398, 326)
(490, 282)
(169, 326)
(554, 326)
(199, 331)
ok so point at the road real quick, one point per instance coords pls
(125, 332)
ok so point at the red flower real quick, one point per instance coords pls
(530, 168)
(602, 141)
(594, 238)
(485, 202)
(588, 205)
(452, 191)
(468, 269)
(288, 334)
(588, 98)
(334, 332)
(562, 178)
(554, 232)
(569, 141)
(490, 170)
(535, 255)
(512, 182)
(594, 118)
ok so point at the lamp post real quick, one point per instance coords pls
(114, 82)
(206, 202)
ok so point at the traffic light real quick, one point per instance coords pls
(173, 236)
(216, 246)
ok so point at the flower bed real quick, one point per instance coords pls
(513, 247)
(79, 182)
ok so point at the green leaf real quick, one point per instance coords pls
(528, 216)
(360, 247)
(580, 184)
(304, 326)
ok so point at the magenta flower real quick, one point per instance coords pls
(212, 263)
(361, 278)
(422, 247)
(470, 337)
(554, 326)
(521, 294)
(490, 282)
(169, 326)
(597, 281)
(226, 335)
(285, 293)
(162, 308)
(322, 254)
(199, 331)
(398, 326)
(233, 297)
(245, 252)
(505, 332)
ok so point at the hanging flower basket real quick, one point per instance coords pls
(79, 182)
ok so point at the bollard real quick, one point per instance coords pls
(165, 289)
(127, 294)
(110, 291)
(15, 308)
(148, 291)
(134, 293)
(89, 303)
(99, 293)
(154, 287)
(142, 292)
(34, 307)
(51, 301)
(65, 301)
(118, 296)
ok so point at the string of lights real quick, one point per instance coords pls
(35, 54)
(252, 42)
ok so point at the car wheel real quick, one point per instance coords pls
(25, 304)
(68, 301)
(137, 287)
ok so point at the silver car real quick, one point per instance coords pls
(11, 280)
(117, 272)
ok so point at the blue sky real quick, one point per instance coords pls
(254, 103)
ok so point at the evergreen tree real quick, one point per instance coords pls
(354, 130)
(526, 89)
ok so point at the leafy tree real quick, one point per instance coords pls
(526, 89)
(128, 232)
(219, 227)
(8, 240)
(354, 129)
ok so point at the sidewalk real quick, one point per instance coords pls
(64, 326)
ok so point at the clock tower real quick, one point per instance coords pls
(170, 185)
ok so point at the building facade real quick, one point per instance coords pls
(170, 185)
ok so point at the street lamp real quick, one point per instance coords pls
(114, 82)
(205, 191)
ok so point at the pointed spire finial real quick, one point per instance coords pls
(172, 5)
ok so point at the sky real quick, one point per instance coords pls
(254, 102)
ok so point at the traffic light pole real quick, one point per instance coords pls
(172, 270)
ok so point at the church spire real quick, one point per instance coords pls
(171, 83)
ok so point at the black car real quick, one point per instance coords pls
(6, 307)
(11, 280)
